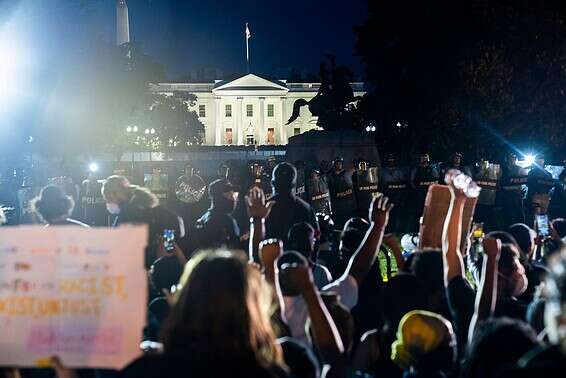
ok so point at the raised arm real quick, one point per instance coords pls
(486, 297)
(258, 210)
(326, 335)
(390, 240)
(452, 232)
(360, 263)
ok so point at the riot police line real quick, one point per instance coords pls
(339, 189)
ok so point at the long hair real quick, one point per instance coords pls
(223, 311)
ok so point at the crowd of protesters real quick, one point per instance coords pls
(290, 295)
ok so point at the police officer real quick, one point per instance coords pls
(539, 187)
(511, 191)
(421, 177)
(455, 162)
(93, 206)
(318, 193)
(486, 175)
(301, 181)
(223, 171)
(558, 202)
(366, 181)
(393, 184)
(158, 183)
(271, 162)
(341, 193)
(260, 179)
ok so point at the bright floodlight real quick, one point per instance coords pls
(529, 160)
(10, 59)
(129, 129)
(93, 167)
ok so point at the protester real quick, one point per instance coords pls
(134, 204)
(425, 345)
(302, 239)
(276, 311)
(54, 207)
(219, 326)
(217, 227)
(287, 208)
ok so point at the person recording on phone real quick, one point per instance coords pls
(540, 184)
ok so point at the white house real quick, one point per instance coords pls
(250, 109)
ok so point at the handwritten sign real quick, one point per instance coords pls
(80, 294)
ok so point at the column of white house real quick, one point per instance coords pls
(283, 127)
(262, 131)
(239, 118)
(217, 122)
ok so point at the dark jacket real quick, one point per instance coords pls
(288, 211)
(144, 208)
(214, 230)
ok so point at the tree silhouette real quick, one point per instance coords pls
(465, 74)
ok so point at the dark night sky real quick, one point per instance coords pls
(185, 35)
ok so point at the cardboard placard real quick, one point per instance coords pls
(434, 214)
(72, 292)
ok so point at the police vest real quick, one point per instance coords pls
(513, 179)
(342, 192)
(367, 186)
(319, 196)
(425, 177)
(300, 190)
(487, 180)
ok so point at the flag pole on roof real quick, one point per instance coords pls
(248, 36)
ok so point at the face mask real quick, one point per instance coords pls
(113, 208)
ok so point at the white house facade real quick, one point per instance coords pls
(250, 110)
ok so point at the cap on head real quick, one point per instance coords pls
(217, 188)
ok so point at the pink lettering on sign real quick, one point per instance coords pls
(74, 339)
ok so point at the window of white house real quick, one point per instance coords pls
(270, 135)
(270, 110)
(228, 136)
(296, 131)
(249, 110)
(228, 110)
(202, 111)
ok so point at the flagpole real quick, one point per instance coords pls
(247, 34)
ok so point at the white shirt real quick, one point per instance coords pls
(294, 309)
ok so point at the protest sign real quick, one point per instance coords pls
(434, 214)
(72, 292)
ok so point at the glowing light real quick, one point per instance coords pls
(529, 159)
(152, 131)
(129, 129)
(146, 131)
(93, 167)
(10, 61)
(135, 129)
